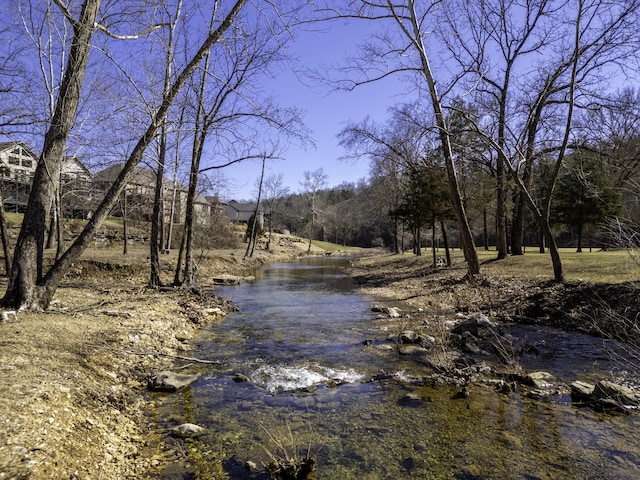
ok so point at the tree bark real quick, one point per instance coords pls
(5, 239)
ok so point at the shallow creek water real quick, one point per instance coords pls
(303, 325)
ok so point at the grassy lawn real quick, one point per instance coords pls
(613, 266)
(332, 247)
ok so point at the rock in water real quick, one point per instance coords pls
(187, 430)
(171, 382)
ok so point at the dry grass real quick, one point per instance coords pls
(613, 266)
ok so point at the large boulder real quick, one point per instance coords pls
(606, 395)
(581, 391)
(540, 380)
(171, 382)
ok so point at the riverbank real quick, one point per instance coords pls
(73, 380)
(506, 292)
(74, 402)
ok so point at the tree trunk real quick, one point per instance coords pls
(485, 229)
(445, 241)
(5, 239)
(579, 250)
(433, 244)
(25, 288)
(253, 237)
(59, 226)
(501, 214)
(125, 233)
(177, 278)
(155, 242)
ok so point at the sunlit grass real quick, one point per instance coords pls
(612, 266)
(332, 247)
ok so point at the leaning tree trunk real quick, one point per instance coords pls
(27, 267)
(468, 245)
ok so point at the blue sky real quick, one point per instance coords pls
(325, 114)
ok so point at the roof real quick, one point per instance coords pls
(141, 176)
(7, 145)
(73, 165)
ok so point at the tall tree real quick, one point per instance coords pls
(408, 24)
(493, 38)
(232, 115)
(585, 195)
(274, 192)
(155, 240)
(312, 186)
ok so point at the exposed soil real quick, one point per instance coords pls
(74, 402)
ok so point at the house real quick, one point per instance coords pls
(140, 192)
(77, 194)
(17, 166)
(242, 212)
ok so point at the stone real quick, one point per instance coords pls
(412, 350)
(478, 325)
(187, 430)
(388, 312)
(171, 382)
(427, 341)
(539, 380)
(9, 316)
(581, 391)
(623, 397)
(393, 312)
(408, 337)
(240, 378)
(226, 280)
(411, 400)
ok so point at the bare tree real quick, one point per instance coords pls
(312, 185)
(253, 237)
(232, 116)
(274, 191)
(29, 286)
(492, 39)
(155, 240)
(401, 48)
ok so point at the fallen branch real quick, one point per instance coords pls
(156, 354)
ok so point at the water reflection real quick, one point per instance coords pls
(299, 338)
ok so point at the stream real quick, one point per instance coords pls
(302, 339)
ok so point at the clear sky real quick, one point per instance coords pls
(325, 114)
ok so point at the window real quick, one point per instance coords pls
(27, 162)
(13, 160)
